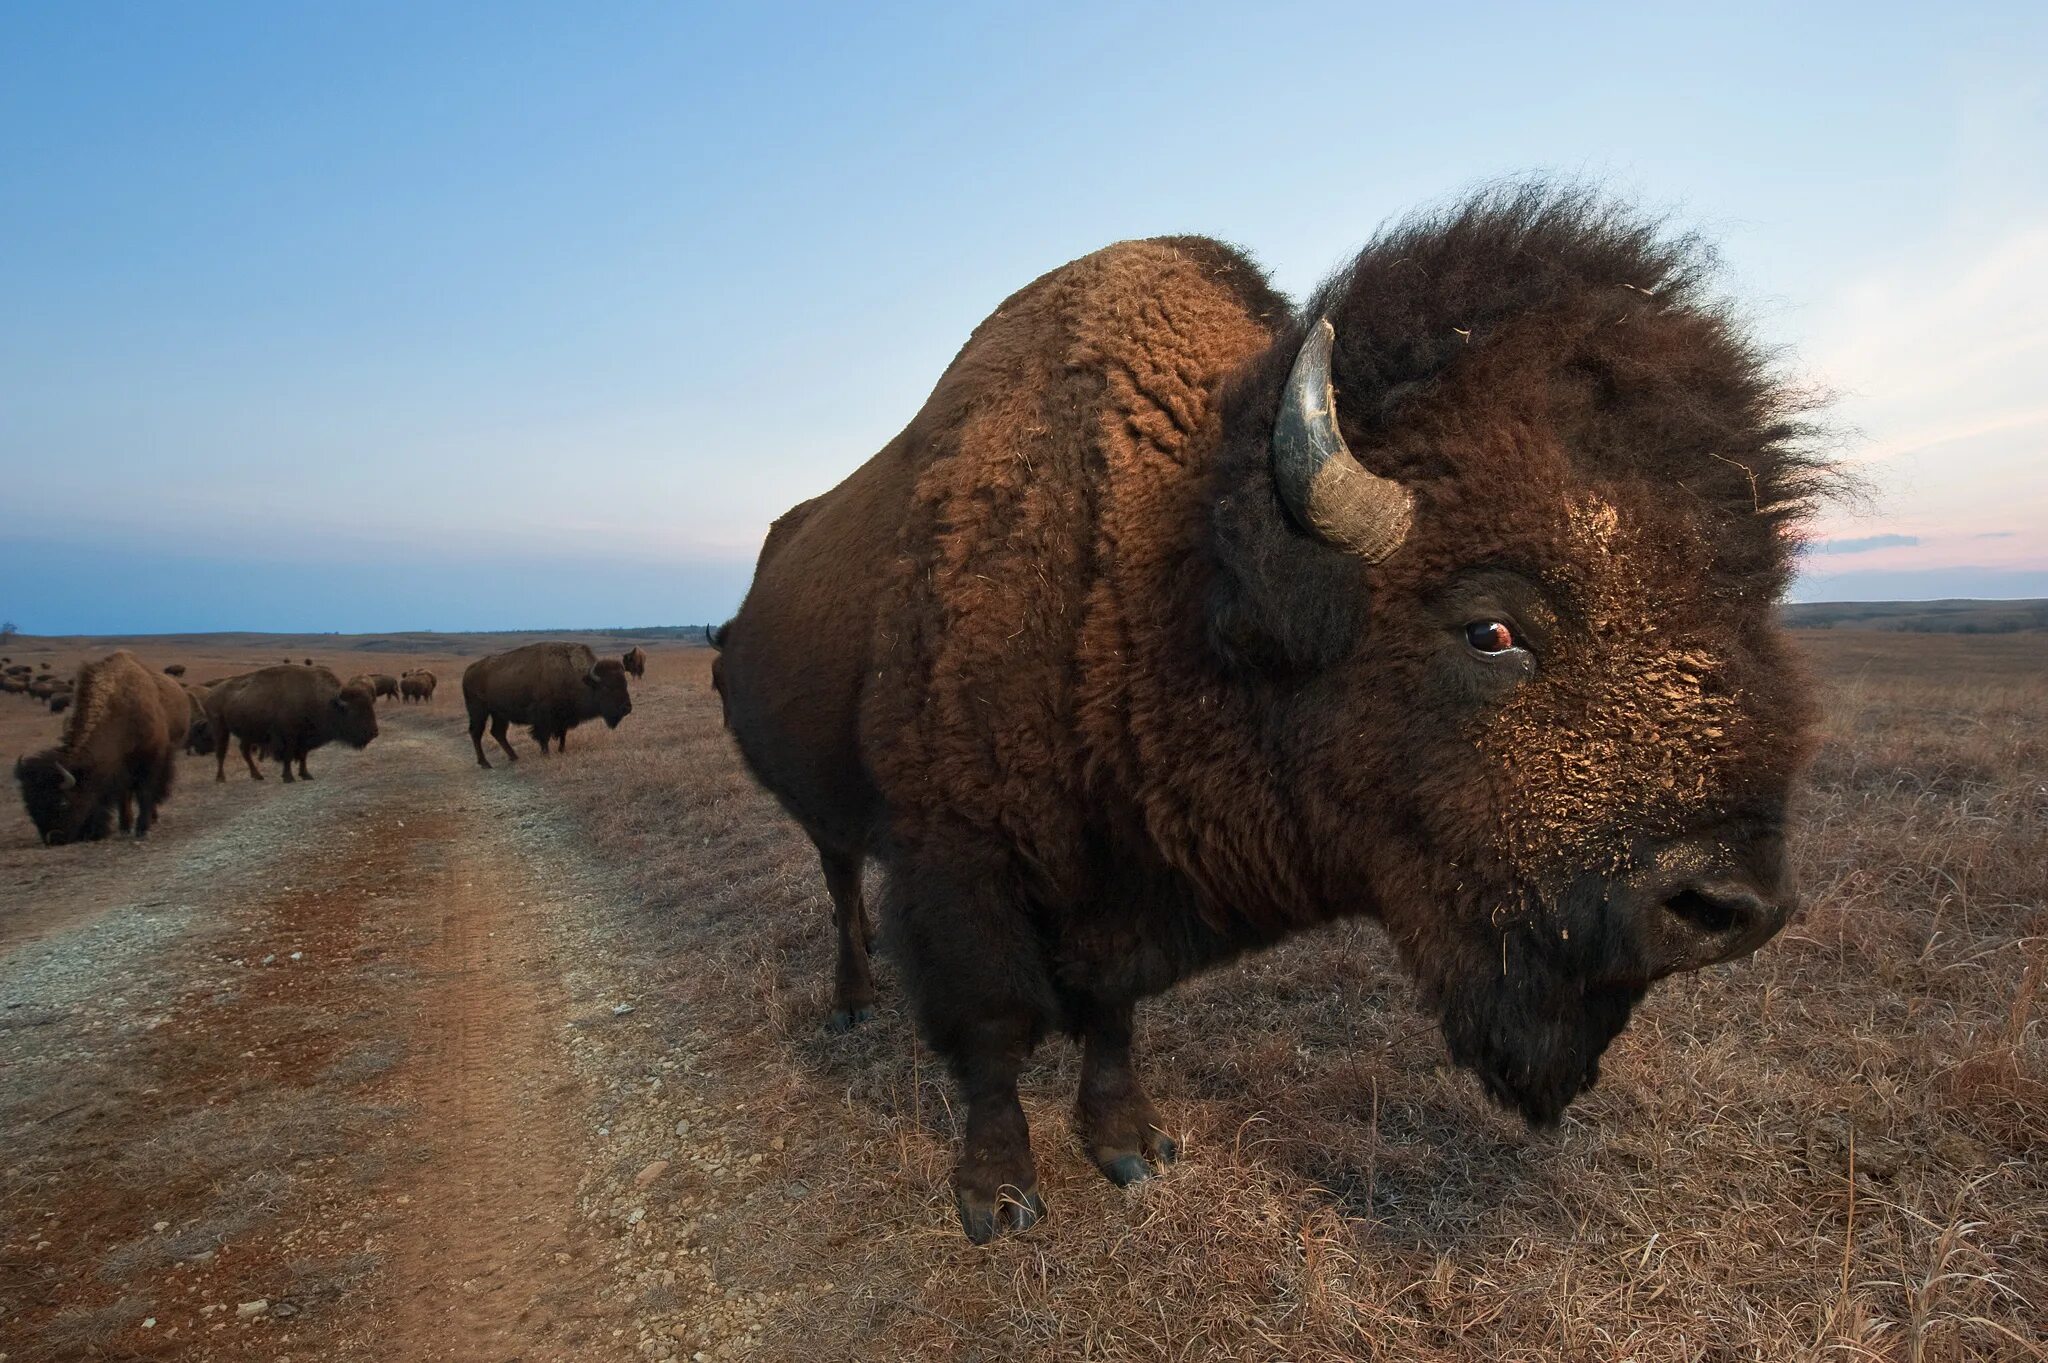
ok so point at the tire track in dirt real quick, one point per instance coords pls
(498, 1266)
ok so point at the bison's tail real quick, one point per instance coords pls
(716, 637)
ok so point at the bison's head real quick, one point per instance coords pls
(606, 683)
(60, 804)
(1505, 527)
(355, 714)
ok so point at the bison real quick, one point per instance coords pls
(418, 685)
(551, 688)
(175, 670)
(199, 730)
(379, 684)
(60, 701)
(635, 659)
(285, 712)
(118, 750)
(1180, 620)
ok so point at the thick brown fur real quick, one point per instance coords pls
(1062, 659)
(549, 687)
(118, 751)
(285, 712)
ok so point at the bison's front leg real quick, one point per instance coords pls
(1119, 1127)
(976, 967)
(996, 1185)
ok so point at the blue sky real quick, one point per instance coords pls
(373, 316)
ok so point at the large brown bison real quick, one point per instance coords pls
(1179, 620)
(635, 660)
(118, 751)
(285, 712)
(551, 688)
(175, 670)
(418, 685)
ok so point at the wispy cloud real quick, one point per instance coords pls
(1865, 544)
(1994, 534)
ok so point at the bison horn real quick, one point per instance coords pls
(70, 781)
(1318, 477)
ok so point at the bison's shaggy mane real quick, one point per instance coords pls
(90, 701)
(1618, 315)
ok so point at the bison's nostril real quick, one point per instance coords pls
(1710, 913)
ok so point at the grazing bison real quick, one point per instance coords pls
(175, 670)
(380, 684)
(118, 750)
(286, 712)
(1179, 621)
(199, 729)
(635, 660)
(551, 688)
(418, 685)
(60, 702)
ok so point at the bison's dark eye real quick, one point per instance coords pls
(1490, 636)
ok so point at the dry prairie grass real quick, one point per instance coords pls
(1831, 1151)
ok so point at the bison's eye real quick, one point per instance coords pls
(1490, 637)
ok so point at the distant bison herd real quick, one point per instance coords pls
(126, 724)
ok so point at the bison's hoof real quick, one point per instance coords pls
(1127, 1167)
(846, 1019)
(1011, 1209)
(1125, 1170)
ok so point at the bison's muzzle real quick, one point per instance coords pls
(1708, 922)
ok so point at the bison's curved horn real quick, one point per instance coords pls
(591, 675)
(1323, 484)
(70, 781)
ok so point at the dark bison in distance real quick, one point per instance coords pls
(380, 684)
(636, 661)
(418, 685)
(551, 688)
(285, 712)
(119, 750)
(199, 730)
(1180, 620)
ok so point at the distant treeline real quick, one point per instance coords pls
(1922, 617)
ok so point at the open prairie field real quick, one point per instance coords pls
(421, 1061)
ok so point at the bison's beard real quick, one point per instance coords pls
(1530, 1004)
(1535, 1038)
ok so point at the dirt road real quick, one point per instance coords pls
(355, 1020)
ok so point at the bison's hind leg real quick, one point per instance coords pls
(498, 727)
(477, 719)
(853, 985)
(1120, 1129)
